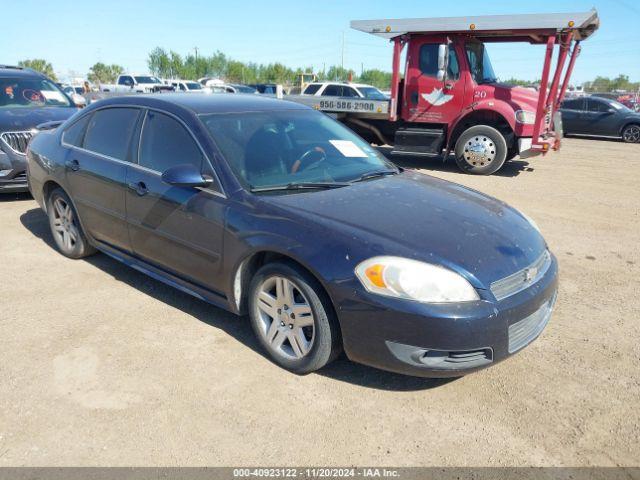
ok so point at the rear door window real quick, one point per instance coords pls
(165, 143)
(575, 104)
(333, 91)
(109, 131)
(311, 89)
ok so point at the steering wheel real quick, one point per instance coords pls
(309, 159)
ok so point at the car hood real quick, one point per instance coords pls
(429, 219)
(12, 119)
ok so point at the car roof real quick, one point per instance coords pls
(203, 104)
(344, 84)
(11, 71)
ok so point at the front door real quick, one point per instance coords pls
(178, 229)
(426, 98)
(96, 164)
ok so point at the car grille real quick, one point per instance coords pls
(17, 141)
(526, 330)
(522, 279)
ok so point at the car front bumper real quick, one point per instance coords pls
(442, 340)
(13, 177)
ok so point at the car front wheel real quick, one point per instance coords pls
(292, 317)
(631, 134)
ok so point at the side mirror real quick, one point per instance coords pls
(186, 175)
(443, 61)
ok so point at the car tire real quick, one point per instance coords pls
(305, 342)
(65, 226)
(631, 133)
(480, 150)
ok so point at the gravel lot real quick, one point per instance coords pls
(100, 365)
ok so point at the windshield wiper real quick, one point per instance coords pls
(300, 186)
(376, 174)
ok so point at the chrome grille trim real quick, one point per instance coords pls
(522, 279)
(17, 141)
(526, 330)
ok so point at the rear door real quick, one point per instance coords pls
(178, 229)
(96, 163)
(426, 98)
(572, 115)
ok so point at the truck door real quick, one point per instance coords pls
(426, 98)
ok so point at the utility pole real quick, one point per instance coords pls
(342, 62)
(196, 50)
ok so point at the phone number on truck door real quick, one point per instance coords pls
(348, 105)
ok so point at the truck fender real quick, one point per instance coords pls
(488, 112)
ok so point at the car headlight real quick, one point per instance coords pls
(414, 280)
(524, 116)
(531, 221)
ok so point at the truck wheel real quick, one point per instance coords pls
(481, 150)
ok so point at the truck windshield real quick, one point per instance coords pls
(479, 63)
(278, 148)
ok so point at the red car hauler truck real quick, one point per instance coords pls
(449, 98)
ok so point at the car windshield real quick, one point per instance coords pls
(193, 86)
(30, 93)
(372, 93)
(147, 79)
(279, 148)
(479, 63)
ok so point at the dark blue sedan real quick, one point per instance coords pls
(271, 209)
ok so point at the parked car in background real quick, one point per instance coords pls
(189, 86)
(265, 88)
(27, 99)
(128, 83)
(337, 89)
(600, 117)
(271, 208)
(237, 88)
(75, 93)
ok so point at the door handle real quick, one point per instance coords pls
(139, 187)
(72, 165)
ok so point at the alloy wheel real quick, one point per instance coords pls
(631, 134)
(286, 320)
(64, 224)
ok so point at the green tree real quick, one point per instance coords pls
(158, 62)
(377, 78)
(39, 65)
(101, 73)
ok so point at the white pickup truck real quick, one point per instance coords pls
(127, 83)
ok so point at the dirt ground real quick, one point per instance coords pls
(100, 365)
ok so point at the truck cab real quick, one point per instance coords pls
(447, 97)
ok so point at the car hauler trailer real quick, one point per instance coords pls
(449, 98)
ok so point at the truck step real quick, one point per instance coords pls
(418, 141)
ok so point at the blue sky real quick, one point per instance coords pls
(74, 35)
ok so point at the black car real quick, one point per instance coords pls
(600, 117)
(271, 208)
(27, 99)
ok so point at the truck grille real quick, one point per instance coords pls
(17, 141)
(522, 279)
(526, 330)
